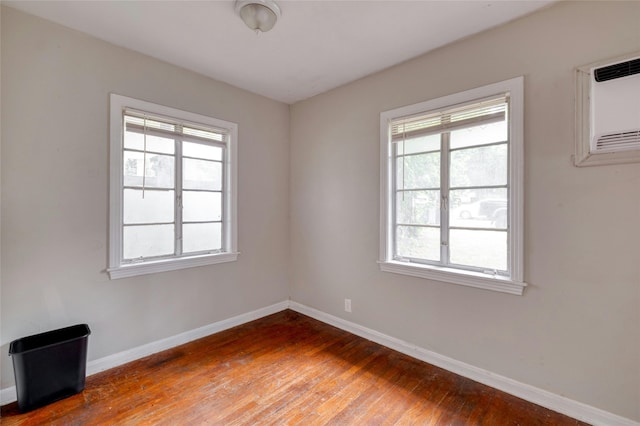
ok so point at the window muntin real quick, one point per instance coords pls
(153, 185)
(173, 196)
(452, 188)
(470, 149)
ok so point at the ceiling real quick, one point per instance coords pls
(314, 47)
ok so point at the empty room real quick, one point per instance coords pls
(320, 212)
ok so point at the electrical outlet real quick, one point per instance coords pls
(347, 305)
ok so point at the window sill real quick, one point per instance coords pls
(466, 278)
(134, 269)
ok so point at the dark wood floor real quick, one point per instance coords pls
(284, 369)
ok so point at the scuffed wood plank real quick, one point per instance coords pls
(284, 369)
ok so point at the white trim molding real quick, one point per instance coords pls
(134, 269)
(557, 403)
(560, 404)
(510, 281)
(466, 278)
(8, 395)
(120, 358)
(119, 267)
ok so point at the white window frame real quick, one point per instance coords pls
(117, 267)
(512, 282)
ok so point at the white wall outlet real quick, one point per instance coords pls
(347, 305)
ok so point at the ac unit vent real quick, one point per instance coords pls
(623, 69)
(608, 111)
(619, 141)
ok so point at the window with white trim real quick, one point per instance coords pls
(173, 189)
(451, 188)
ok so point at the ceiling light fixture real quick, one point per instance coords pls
(259, 15)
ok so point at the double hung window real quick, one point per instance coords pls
(452, 188)
(172, 189)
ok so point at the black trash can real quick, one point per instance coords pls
(49, 366)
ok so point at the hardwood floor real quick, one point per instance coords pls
(284, 369)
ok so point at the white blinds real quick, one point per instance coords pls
(140, 122)
(485, 111)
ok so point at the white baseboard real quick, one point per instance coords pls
(560, 404)
(8, 395)
(120, 358)
(557, 403)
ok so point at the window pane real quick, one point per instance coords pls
(482, 166)
(419, 144)
(134, 140)
(483, 249)
(201, 237)
(200, 174)
(201, 206)
(159, 170)
(156, 206)
(146, 241)
(479, 135)
(418, 207)
(199, 150)
(418, 171)
(418, 242)
(479, 208)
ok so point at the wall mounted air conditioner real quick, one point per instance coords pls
(608, 112)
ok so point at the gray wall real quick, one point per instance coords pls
(55, 98)
(576, 331)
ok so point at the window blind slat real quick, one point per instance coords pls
(484, 112)
(136, 128)
(175, 127)
(442, 127)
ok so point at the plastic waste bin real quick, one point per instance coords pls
(49, 366)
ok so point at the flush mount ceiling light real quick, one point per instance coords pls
(259, 15)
